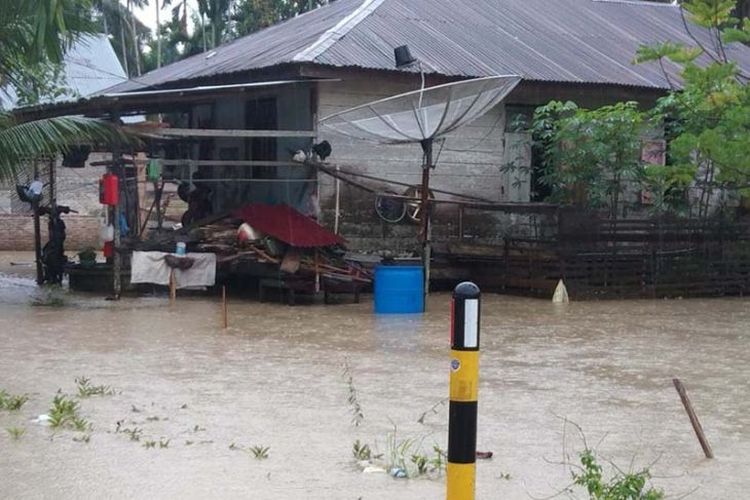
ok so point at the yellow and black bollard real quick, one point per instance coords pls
(462, 423)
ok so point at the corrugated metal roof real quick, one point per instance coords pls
(581, 41)
(90, 66)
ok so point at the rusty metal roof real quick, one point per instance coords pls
(576, 41)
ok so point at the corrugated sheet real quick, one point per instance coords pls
(90, 66)
(288, 225)
(584, 41)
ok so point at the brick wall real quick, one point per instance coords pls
(17, 232)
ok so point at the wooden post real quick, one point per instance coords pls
(693, 418)
(337, 212)
(52, 194)
(425, 212)
(460, 222)
(224, 307)
(317, 273)
(116, 210)
(158, 191)
(37, 234)
(139, 162)
(172, 286)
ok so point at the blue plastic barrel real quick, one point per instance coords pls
(399, 289)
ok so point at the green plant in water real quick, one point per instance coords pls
(149, 444)
(12, 402)
(64, 413)
(623, 486)
(87, 389)
(358, 415)
(399, 451)
(362, 451)
(260, 452)
(134, 433)
(87, 257)
(83, 438)
(164, 443)
(81, 424)
(16, 432)
(439, 459)
(422, 463)
(50, 297)
(409, 455)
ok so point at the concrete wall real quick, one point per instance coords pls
(76, 188)
(17, 232)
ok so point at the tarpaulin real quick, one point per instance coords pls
(288, 225)
(150, 267)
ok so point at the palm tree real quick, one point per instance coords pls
(127, 32)
(35, 32)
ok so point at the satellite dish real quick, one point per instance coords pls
(422, 116)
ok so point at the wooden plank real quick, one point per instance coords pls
(230, 163)
(693, 418)
(204, 132)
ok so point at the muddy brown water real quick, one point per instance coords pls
(275, 379)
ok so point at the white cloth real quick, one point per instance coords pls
(150, 267)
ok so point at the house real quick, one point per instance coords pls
(288, 76)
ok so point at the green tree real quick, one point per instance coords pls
(590, 157)
(35, 33)
(248, 16)
(707, 121)
(127, 34)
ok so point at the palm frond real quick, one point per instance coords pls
(48, 137)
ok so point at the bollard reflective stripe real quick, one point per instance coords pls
(464, 386)
(465, 318)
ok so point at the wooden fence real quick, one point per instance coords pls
(600, 258)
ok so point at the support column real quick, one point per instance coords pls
(37, 233)
(116, 169)
(426, 214)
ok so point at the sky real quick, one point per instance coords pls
(147, 15)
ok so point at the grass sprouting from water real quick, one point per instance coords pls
(83, 438)
(12, 402)
(358, 415)
(362, 451)
(260, 452)
(63, 412)
(403, 457)
(15, 433)
(50, 297)
(87, 389)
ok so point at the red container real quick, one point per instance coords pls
(109, 190)
(109, 249)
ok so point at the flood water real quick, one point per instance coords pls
(275, 379)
